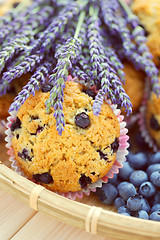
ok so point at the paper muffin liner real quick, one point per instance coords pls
(142, 121)
(2, 127)
(120, 157)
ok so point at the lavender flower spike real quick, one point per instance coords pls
(28, 65)
(35, 82)
(98, 102)
(53, 30)
(66, 55)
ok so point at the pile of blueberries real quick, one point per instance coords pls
(135, 191)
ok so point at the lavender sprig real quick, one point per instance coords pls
(28, 17)
(98, 102)
(66, 56)
(105, 73)
(53, 30)
(142, 58)
(24, 37)
(116, 23)
(36, 81)
(28, 65)
(14, 47)
(77, 72)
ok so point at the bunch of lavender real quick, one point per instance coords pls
(53, 30)
(131, 40)
(102, 70)
(141, 57)
(25, 17)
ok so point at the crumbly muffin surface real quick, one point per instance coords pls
(153, 118)
(134, 85)
(83, 154)
(149, 14)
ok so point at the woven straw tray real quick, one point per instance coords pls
(87, 213)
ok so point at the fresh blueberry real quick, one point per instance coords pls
(82, 120)
(147, 189)
(84, 181)
(155, 208)
(127, 190)
(138, 177)
(145, 205)
(90, 93)
(155, 178)
(43, 178)
(107, 193)
(152, 168)
(155, 216)
(115, 145)
(125, 172)
(157, 197)
(142, 214)
(154, 158)
(134, 203)
(154, 124)
(115, 180)
(124, 209)
(121, 184)
(15, 125)
(119, 202)
(138, 160)
(24, 155)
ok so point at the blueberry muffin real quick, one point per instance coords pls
(134, 85)
(7, 99)
(153, 118)
(149, 14)
(84, 153)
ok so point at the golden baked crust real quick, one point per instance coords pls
(134, 85)
(153, 118)
(78, 157)
(149, 14)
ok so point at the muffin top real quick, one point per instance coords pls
(153, 118)
(134, 85)
(149, 14)
(83, 154)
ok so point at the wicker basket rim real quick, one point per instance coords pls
(90, 218)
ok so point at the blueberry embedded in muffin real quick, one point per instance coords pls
(84, 153)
